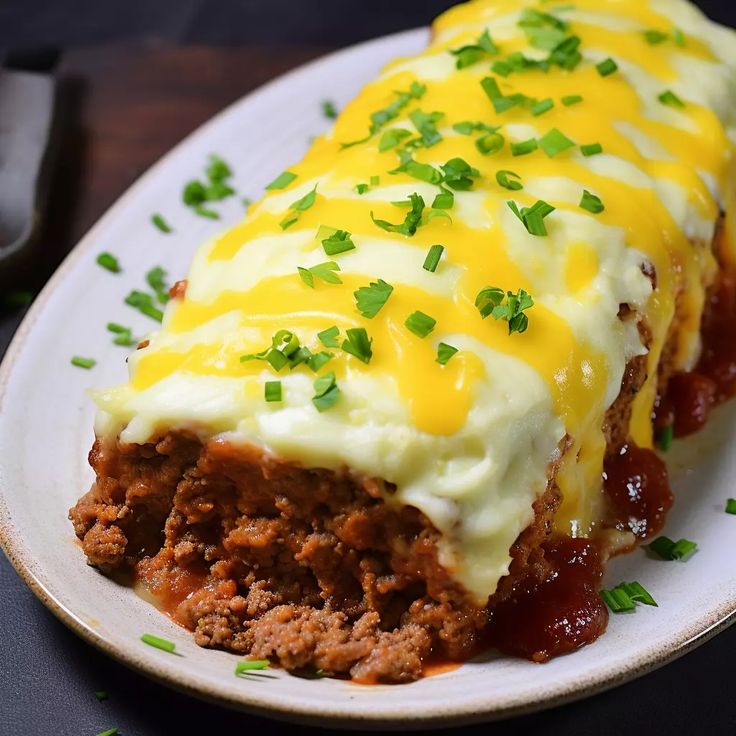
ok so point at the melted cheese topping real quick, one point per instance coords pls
(469, 443)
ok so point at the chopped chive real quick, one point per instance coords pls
(433, 258)
(108, 261)
(413, 218)
(326, 392)
(124, 335)
(570, 100)
(445, 352)
(592, 203)
(669, 98)
(524, 147)
(533, 217)
(683, 549)
(328, 337)
(370, 299)
(339, 242)
(555, 142)
(158, 643)
(83, 362)
(445, 200)
(101, 695)
(637, 592)
(506, 179)
(160, 223)
(617, 600)
(490, 143)
(109, 732)
(458, 175)
(607, 67)
(317, 360)
(591, 149)
(282, 180)
(328, 109)
(272, 391)
(391, 138)
(156, 279)
(358, 344)
(251, 664)
(731, 506)
(375, 181)
(144, 304)
(306, 201)
(665, 438)
(539, 108)
(662, 547)
(204, 212)
(361, 188)
(655, 37)
(420, 324)
(679, 37)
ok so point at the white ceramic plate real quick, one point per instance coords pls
(46, 431)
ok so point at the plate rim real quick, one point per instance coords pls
(713, 622)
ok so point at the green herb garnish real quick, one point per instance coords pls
(329, 110)
(340, 241)
(668, 549)
(591, 149)
(592, 203)
(433, 258)
(420, 324)
(160, 223)
(370, 299)
(533, 217)
(272, 391)
(282, 180)
(411, 221)
(506, 179)
(358, 344)
(625, 596)
(328, 337)
(324, 271)
(249, 665)
(493, 302)
(445, 352)
(123, 335)
(83, 362)
(109, 262)
(522, 148)
(555, 142)
(570, 100)
(326, 392)
(468, 55)
(607, 67)
(669, 98)
(158, 643)
(143, 302)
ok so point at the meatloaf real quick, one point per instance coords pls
(408, 407)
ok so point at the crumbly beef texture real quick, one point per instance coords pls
(307, 567)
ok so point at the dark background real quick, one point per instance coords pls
(119, 61)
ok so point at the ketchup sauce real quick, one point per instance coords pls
(559, 615)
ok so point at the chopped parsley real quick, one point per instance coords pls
(284, 350)
(392, 137)
(335, 241)
(426, 125)
(302, 204)
(625, 596)
(420, 324)
(533, 217)
(324, 271)
(158, 643)
(472, 53)
(445, 352)
(326, 392)
(555, 142)
(282, 180)
(109, 261)
(492, 302)
(358, 344)
(668, 549)
(83, 362)
(370, 299)
(507, 179)
(160, 223)
(329, 110)
(668, 97)
(272, 391)
(412, 220)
